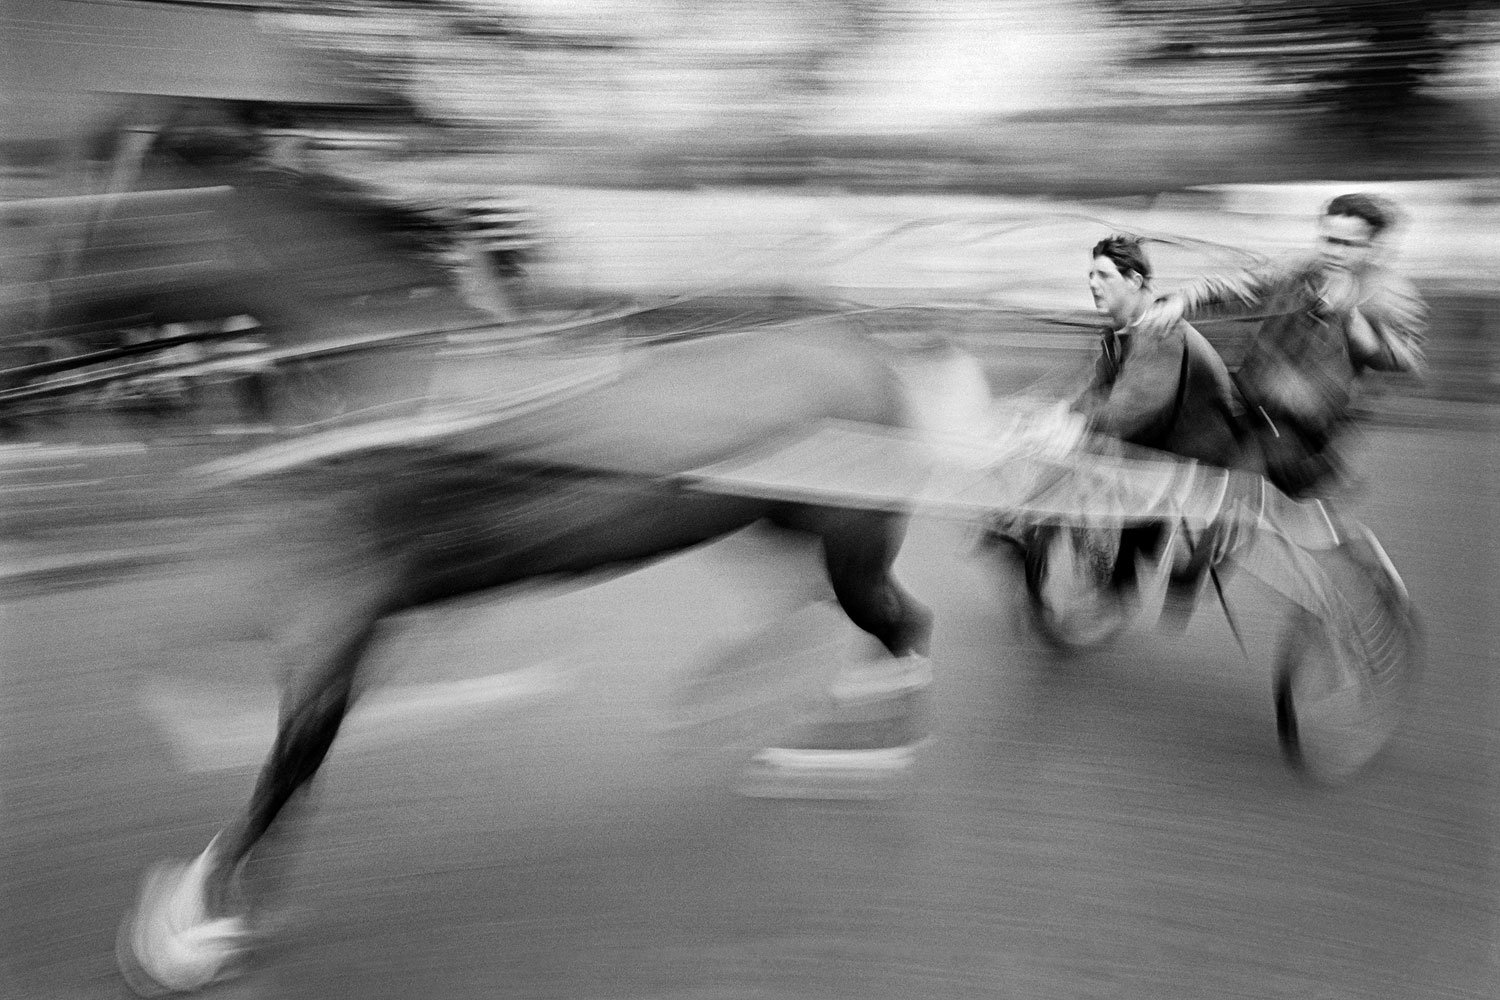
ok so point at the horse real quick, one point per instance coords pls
(566, 488)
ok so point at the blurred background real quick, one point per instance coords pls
(229, 225)
(987, 96)
(279, 167)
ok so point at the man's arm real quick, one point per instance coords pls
(1386, 333)
(1224, 296)
(1232, 294)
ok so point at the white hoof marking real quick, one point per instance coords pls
(169, 944)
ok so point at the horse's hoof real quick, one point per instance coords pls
(169, 944)
(862, 745)
(805, 773)
(896, 682)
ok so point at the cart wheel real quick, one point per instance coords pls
(1342, 686)
(307, 397)
(1068, 588)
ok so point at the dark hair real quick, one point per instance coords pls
(1380, 213)
(1127, 253)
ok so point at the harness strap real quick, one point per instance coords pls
(1181, 400)
(1213, 573)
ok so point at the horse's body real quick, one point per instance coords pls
(564, 489)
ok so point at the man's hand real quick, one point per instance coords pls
(1062, 431)
(1384, 350)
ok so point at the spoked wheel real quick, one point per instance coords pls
(1068, 588)
(308, 397)
(1342, 685)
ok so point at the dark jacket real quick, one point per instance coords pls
(1302, 367)
(1169, 391)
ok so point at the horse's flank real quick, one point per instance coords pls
(680, 405)
(588, 481)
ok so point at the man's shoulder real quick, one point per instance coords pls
(1292, 268)
(1186, 331)
(1390, 294)
(1186, 338)
(1170, 335)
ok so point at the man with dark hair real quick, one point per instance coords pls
(1325, 320)
(1164, 387)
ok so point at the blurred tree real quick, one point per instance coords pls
(1381, 54)
(1364, 59)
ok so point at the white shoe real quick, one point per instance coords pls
(169, 944)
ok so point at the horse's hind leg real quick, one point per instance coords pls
(876, 713)
(859, 549)
(189, 928)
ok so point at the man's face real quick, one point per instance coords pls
(1114, 293)
(1347, 242)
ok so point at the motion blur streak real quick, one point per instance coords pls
(238, 234)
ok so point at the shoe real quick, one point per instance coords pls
(169, 943)
(863, 744)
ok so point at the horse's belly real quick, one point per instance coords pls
(522, 524)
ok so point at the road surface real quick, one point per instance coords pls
(538, 797)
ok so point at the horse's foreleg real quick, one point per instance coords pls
(320, 655)
(188, 928)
